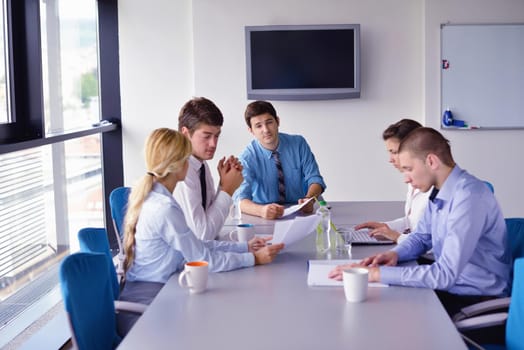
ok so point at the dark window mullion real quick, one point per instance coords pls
(110, 105)
(26, 74)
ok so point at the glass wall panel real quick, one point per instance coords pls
(46, 195)
(70, 64)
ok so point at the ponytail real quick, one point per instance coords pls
(166, 152)
(136, 199)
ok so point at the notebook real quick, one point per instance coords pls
(318, 271)
(362, 237)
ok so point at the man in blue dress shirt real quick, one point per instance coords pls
(278, 169)
(463, 224)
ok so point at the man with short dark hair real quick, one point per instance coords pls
(205, 208)
(462, 223)
(279, 168)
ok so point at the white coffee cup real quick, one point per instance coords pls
(242, 233)
(194, 276)
(355, 284)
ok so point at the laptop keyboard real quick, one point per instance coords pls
(362, 236)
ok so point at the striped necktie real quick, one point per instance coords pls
(281, 184)
(203, 185)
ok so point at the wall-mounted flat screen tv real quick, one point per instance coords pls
(303, 62)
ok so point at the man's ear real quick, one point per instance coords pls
(250, 130)
(433, 161)
(278, 121)
(185, 132)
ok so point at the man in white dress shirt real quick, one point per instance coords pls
(205, 207)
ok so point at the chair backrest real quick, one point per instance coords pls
(88, 299)
(515, 227)
(118, 203)
(490, 186)
(94, 240)
(515, 323)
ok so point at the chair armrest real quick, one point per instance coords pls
(128, 306)
(481, 308)
(484, 321)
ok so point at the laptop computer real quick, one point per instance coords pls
(360, 237)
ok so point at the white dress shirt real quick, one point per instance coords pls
(206, 224)
(416, 203)
(164, 242)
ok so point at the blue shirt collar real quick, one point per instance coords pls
(268, 153)
(444, 194)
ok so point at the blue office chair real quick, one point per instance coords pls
(490, 186)
(88, 298)
(515, 323)
(94, 240)
(515, 229)
(118, 199)
(514, 318)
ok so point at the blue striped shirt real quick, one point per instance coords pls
(260, 173)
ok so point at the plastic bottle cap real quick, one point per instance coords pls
(322, 203)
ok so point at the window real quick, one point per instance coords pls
(69, 64)
(58, 79)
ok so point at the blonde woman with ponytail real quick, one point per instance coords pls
(158, 240)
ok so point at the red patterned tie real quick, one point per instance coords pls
(281, 185)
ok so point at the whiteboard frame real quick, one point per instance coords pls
(491, 99)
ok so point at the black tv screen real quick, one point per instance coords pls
(305, 62)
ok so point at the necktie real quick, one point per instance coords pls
(281, 184)
(203, 185)
(433, 194)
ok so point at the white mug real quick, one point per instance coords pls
(194, 276)
(242, 233)
(355, 284)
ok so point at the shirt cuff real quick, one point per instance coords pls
(398, 225)
(400, 249)
(402, 238)
(249, 259)
(223, 198)
(239, 247)
(390, 274)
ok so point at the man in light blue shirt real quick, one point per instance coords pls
(278, 168)
(463, 224)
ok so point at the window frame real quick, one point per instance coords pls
(26, 129)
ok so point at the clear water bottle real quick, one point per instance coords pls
(324, 229)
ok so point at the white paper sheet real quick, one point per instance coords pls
(292, 230)
(294, 208)
(318, 273)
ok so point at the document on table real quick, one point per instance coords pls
(294, 208)
(292, 230)
(318, 270)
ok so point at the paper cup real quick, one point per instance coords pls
(355, 284)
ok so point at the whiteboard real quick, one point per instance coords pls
(482, 74)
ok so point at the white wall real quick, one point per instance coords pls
(494, 155)
(172, 50)
(156, 71)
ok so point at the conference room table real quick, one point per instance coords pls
(272, 307)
